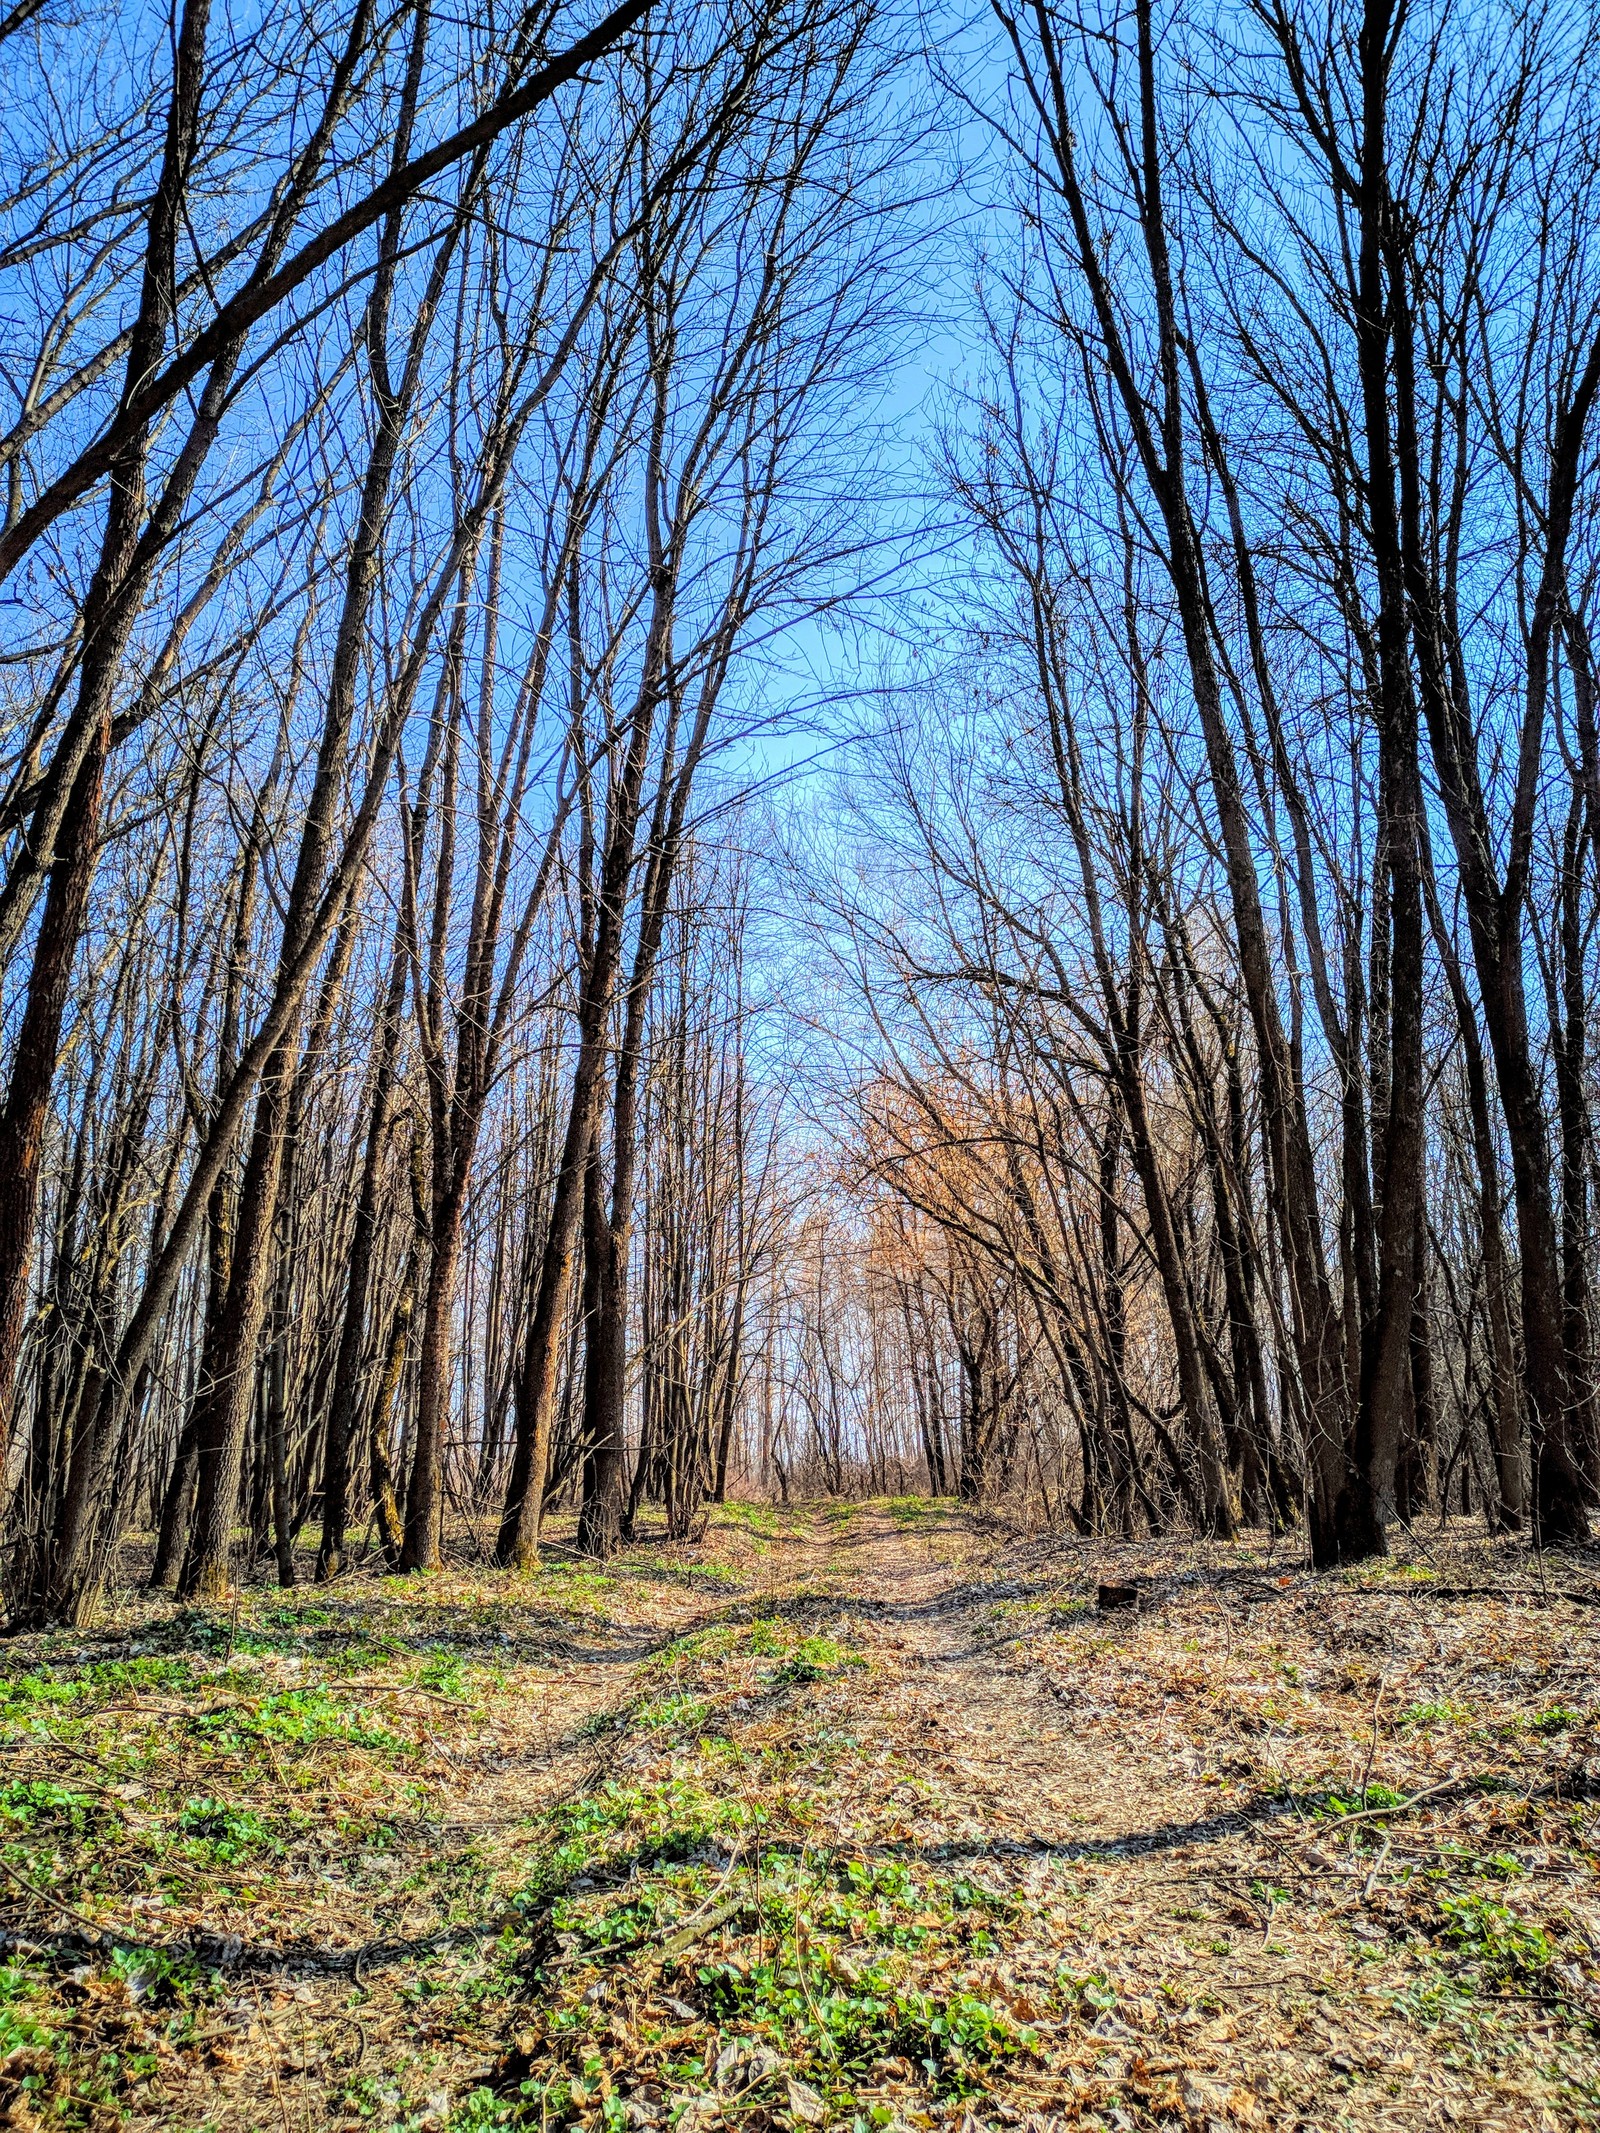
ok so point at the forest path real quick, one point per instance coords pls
(854, 1817)
(989, 1729)
(1149, 1783)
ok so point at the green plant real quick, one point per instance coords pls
(1502, 1947)
(300, 1717)
(908, 1510)
(1091, 1993)
(1372, 1798)
(29, 1691)
(153, 1973)
(482, 2109)
(1557, 1719)
(20, 2028)
(444, 1672)
(308, 1617)
(815, 1659)
(30, 1801)
(1456, 1860)
(223, 1633)
(144, 1672)
(757, 1518)
(655, 1908)
(841, 2023)
(1442, 1713)
(225, 1833)
(680, 1713)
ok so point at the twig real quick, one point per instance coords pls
(693, 1929)
(283, 2111)
(61, 1747)
(707, 1922)
(1377, 1869)
(1372, 1745)
(1547, 1999)
(54, 1903)
(47, 1777)
(1400, 1807)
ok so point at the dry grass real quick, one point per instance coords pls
(863, 1818)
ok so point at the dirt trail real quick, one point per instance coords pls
(1249, 1965)
(998, 1727)
(990, 1726)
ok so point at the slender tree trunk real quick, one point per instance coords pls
(228, 1361)
(605, 1303)
(424, 1486)
(345, 1409)
(385, 1503)
(275, 1399)
(173, 1532)
(1569, 1030)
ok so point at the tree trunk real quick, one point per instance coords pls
(345, 1408)
(424, 1487)
(228, 1360)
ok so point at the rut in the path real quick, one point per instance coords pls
(991, 1726)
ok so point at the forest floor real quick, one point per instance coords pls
(855, 1816)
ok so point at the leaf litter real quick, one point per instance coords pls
(869, 1817)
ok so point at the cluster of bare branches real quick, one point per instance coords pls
(418, 433)
(1230, 1133)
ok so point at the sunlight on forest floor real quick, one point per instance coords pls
(855, 1815)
